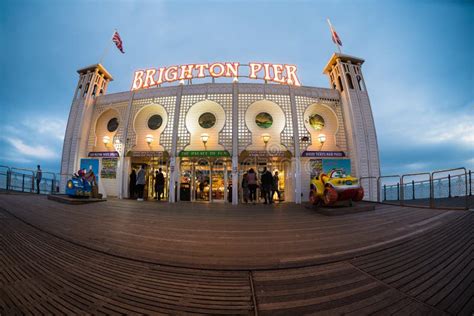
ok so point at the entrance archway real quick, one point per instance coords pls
(153, 162)
(280, 163)
(204, 180)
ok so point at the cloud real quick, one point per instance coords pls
(47, 126)
(15, 158)
(403, 123)
(38, 151)
(457, 129)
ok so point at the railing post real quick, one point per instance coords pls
(465, 181)
(398, 191)
(413, 189)
(431, 191)
(9, 175)
(385, 192)
(23, 183)
(449, 185)
(33, 178)
(470, 184)
(402, 192)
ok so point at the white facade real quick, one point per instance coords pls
(236, 140)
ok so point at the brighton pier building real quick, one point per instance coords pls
(205, 136)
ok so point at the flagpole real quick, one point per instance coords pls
(332, 35)
(107, 47)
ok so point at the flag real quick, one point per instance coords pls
(118, 41)
(335, 37)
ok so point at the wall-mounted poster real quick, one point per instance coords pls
(91, 164)
(328, 165)
(109, 168)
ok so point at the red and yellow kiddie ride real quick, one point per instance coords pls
(338, 186)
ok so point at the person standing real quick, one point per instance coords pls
(141, 180)
(159, 184)
(275, 187)
(267, 183)
(132, 189)
(39, 176)
(245, 187)
(252, 184)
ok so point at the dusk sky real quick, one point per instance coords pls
(419, 63)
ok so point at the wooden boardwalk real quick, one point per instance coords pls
(224, 236)
(417, 262)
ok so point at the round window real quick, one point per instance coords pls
(316, 121)
(155, 121)
(264, 120)
(207, 120)
(112, 125)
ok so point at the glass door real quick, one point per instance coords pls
(185, 180)
(157, 163)
(277, 168)
(202, 183)
(219, 181)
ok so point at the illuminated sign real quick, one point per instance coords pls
(112, 154)
(205, 153)
(279, 73)
(323, 154)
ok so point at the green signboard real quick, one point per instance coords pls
(204, 153)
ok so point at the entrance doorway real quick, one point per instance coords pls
(277, 166)
(153, 164)
(204, 180)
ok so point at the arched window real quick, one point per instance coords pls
(349, 81)
(339, 81)
(360, 82)
(94, 90)
(79, 91)
(86, 89)
(101, 91)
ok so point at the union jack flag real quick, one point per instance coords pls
(118, 41)
(335, 37)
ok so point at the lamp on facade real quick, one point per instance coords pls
(235, 80)
(321, 139)
(106, 140)
(204, 139)
(149, 139)
(266, 138)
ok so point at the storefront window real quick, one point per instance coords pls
(316, 121)
(112, 125)
(207, 120)
(155, 121)
(264, 120)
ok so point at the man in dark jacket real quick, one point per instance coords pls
(267, 185)
(159, 184)
(39, 176)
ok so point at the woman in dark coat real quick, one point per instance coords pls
(132, 187)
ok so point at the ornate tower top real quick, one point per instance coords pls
(93, 81)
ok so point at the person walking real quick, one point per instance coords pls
(267, 184)
(39, 176)
(252, 184)
(159, 184)
(132, 189)
(245, 187)
(141, 180)
(275, 187)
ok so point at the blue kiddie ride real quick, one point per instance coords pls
(81, 184)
